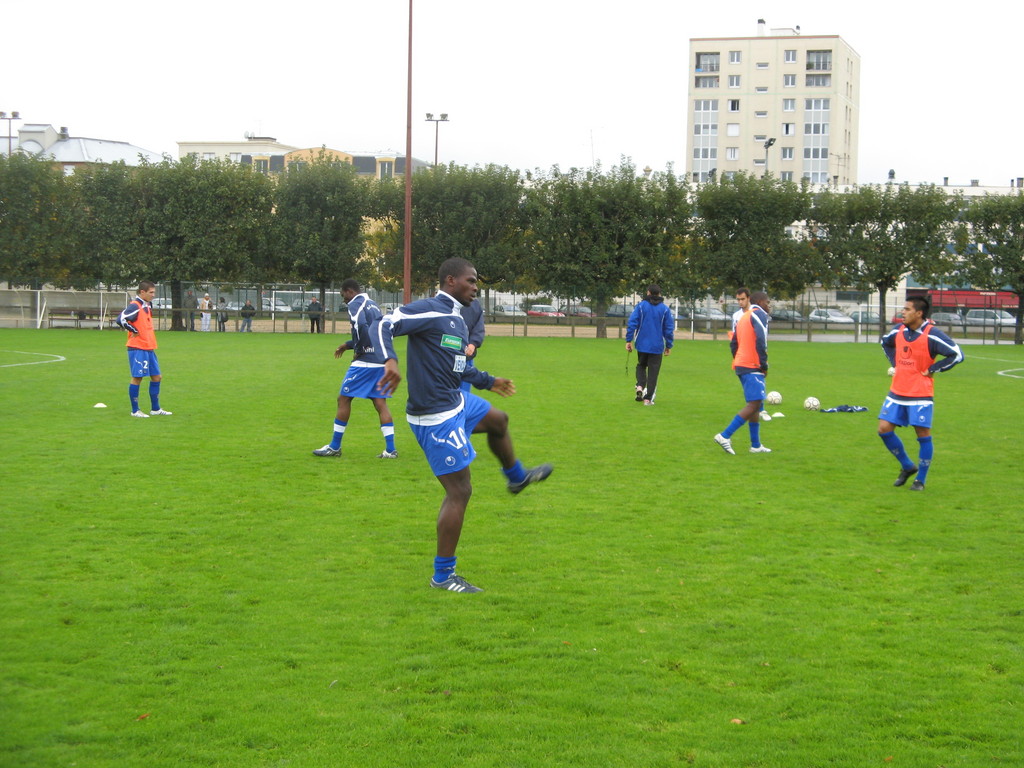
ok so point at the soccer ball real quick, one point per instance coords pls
(892, 371)
(773, 398)
(812, 404)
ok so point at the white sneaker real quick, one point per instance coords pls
(389, 454)
(760, 449)
(765, 416)
(725, 442)
(160, 412)
(140, 415)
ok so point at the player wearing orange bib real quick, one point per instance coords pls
(137, 319)
(749, 347)
(912, 349)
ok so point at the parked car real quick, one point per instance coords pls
(714, 314)
(787, 315)
(827, 316)
(619, 310)
(989, 317)
(947, 318)
(275, 305)
(865, 318)
(543, 310)
(579, 310)
(507, 310)
(161, 303)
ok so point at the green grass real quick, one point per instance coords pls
(199, 590)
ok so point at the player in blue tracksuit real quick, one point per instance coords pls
(442, 416)
(363, 374)
(651, 330)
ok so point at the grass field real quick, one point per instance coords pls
(199, 590)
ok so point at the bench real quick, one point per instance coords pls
(75, 318)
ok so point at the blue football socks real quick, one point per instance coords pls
(737, 422)
(154, 394)
(388, 430)
(895, 446)
(443, 568)
(924, 461)
(515, 474)
(133, 395)
(339, 432)
(755, 434)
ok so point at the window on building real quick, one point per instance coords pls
(705, 129)
(760, 113)
(735, 57)
(786, 176)
(787, 153)
(815, 129)
(789, 129)
(789, 105)
(818, 105)
(385, 169)
(732, 129)
(819, 61)
(789, 81)
(209, 156)
(261, 164)
(708, 62)
(760, 137)
(790, 56)
(705, 105)
(235, 157)
(761, 89)
(762, 65)
(734, 81)
(759, 162)
(818, 81)
(732, 153)
(705, 81)
(734, 105)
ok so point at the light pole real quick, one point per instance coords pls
(767, 145)
(14, 116)
(436, 120)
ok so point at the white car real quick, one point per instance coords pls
(275, 305)
(990, 317)
(829, 316)
(507, 310)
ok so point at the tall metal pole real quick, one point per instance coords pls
(407, 266)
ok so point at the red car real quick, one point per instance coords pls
(543, 310)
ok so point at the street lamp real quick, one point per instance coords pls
(14, 116)
(436, 120)
(767, 145)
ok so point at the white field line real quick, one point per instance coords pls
(55, 358)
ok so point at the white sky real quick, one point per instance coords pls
(527, 84)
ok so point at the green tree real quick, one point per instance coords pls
(874, 235)
(202, 221)
(601, 235)
(743, 235)
(319, 222)
(473, 213)
(35, 233)
(996, 258)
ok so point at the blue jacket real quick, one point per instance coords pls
(436, 352)
(652, 325)
(364, 312)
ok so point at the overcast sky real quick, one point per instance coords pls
(527, 84)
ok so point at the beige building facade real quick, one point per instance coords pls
(779, 102)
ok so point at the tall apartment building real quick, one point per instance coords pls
(780, 102)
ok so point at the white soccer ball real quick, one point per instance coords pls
(812, 404)
(892, 371)
(773, 398)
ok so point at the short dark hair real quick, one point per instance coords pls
(921, 304)
(145, 285)
(654, 289)
(757, 297)
(455, 267)
(351, 284)
(744, 291)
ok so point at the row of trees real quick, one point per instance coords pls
(591, 234)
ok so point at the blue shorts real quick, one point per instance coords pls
(361, 381)
(142, 363)
(753, 386)
(911, 413)
(444, 437)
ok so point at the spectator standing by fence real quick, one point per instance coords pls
(315, 310)
(248, 311)
(222, 315)
(191, 304)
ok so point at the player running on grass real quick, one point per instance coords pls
(749, 347)
(362, 375)
(137, 319)
(912, 349)
(441, 416)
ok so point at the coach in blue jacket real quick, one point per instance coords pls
(651, 327)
